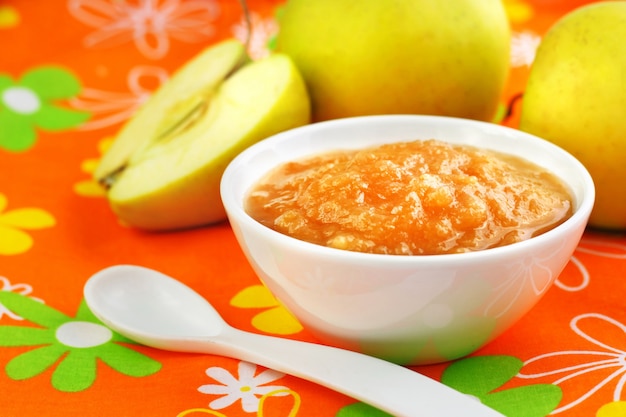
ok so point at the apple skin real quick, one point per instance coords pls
(174, 184)
(576, 98)
(407, 56)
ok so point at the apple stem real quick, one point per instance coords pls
(511, 104)
(246, 14)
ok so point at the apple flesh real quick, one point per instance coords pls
(408, 56)
(164, 168)
(197, 79)
(576, 95)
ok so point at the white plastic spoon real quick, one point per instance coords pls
(158, 311)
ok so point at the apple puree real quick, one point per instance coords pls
(414, 198)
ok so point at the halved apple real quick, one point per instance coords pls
(163, 169)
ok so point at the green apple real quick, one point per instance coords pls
(576, 98)
(407, 56)
(164, 167)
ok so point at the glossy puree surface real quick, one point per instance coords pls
(411, 198)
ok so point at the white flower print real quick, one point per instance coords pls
(598, 368)
(596, 247)
(110, 108)
(262, 31)
(24, 289)
(246, 387)
(148, 23)
(523, 48)
(528, 274)
(584, 277)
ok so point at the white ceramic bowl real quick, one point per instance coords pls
(406, 309)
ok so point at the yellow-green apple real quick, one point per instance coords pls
(164, 167)
(576, 98)
(403, 56)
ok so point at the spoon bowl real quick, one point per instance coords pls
(152, 307)
(156, 310)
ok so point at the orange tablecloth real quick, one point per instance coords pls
(91, 63)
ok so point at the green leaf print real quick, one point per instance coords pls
(481, 376)
(361, 410)
(32, 102)
(73, 345)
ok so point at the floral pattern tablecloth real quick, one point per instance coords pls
(71, 71)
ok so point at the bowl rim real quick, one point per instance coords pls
(236, 213)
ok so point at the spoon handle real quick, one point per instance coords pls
(387, 386)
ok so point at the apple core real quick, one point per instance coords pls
(182, 115)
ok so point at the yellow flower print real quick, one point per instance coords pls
(13, 240)
(614, 409)
(90, 187)
(9, 17)
(275, 319)
(294, 409)
(261, 412)
(519, 11)
(198, 411)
